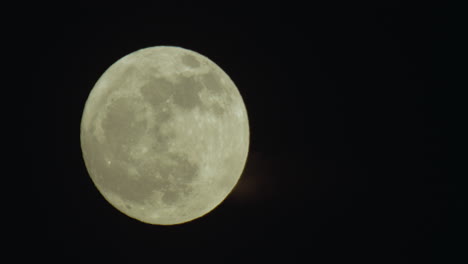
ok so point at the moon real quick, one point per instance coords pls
(164, 135)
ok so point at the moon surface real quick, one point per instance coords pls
(164, 135)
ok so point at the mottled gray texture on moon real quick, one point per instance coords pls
(165, 135)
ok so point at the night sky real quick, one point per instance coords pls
(348, 147)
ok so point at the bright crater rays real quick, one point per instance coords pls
(165, 135)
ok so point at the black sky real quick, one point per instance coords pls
(348, 146)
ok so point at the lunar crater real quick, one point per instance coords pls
(137, 184)
(190, 61)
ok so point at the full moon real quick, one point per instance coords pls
(164, 135)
